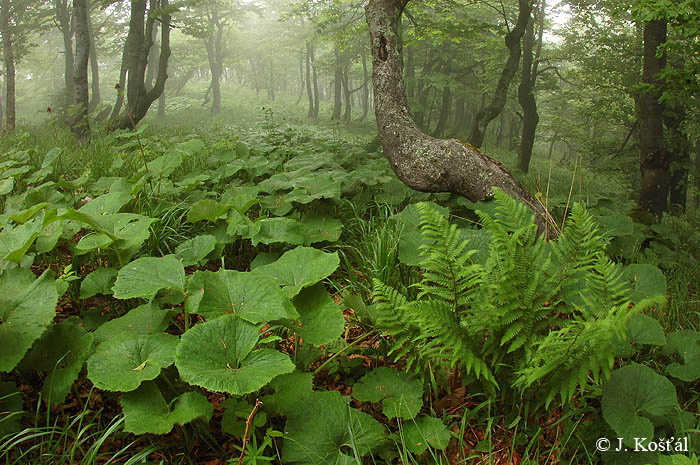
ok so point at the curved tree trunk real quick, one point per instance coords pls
(420, 161)
(487, 114)
(94, 69)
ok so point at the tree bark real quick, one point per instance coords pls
(365, 89)
(214, 46)
(79, 124)
(9, 59)
(512, 40)
(444, 108)
(337, 87)
(654, 159)
(301, 79)
(138, 43)
(314, 76)
(526, 92)
(309, 90)
(94, 69)
(347, 94)
(65, 24)
(420, 161)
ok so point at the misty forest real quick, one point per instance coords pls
(333, 232)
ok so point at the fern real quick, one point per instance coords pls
(537, 316)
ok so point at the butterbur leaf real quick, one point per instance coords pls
(300, 268)
(633, 397)
(646, 280)
(218, 355)
(99, 281)
(10, 408)
(106, 204)
(424, 431)
(145, 276)
(324, 430)
(290, 389)
(400, 394)
(321, 229)
(122, 363)
(194, 250)
(6, 185)
(320, 318)
(61, 351)
(687, 344)
(27, 307)
(252, 297)
(145, 410)
(642, 329)
(207, 209)
(140, 321)
(275, 230)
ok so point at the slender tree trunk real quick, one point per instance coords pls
(420, 161)
(365, 89)
(512, 39)
(444, 108)
(655, 159)
(347, 93)
(423, 92)
(79, 123)
(526, 90)
(152, 67)
(94, 69)
(410, 73)
(337, 87)
(309, 91)
(9, 59)
(301, 78)
(65, 24)
(161, 105)
(214, 46)
(315, 82)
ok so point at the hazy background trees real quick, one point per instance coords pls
(607, 84)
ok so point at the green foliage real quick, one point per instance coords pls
(27, 307)
(537, 316)
(400, 394)
(218, 355)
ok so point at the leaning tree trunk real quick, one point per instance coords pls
(654, 157)
(487, 114)
(309, 91)
(139, 41)
(337, 87)
(79, 123)
(420, 161)
(9, 59)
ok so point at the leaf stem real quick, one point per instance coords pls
(340, 352)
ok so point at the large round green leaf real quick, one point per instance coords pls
(122, 363)
(399, 393)
(27, 307)
(99, 281)
(323, 428)
(646, 280)
(192, 251)
(218, 355)
(320, 318)
(687, 344)
(145, 410)
(633, 397)
(140, 321)
(145, 276)
(424, 431)
(252, 297)
(300, 268)
(61, 351)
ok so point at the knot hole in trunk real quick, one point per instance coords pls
(383, 54)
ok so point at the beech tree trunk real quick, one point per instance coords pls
(65, 24)
(94, 69)
(420, 161)
(526, 98)
(337, 87)
(512, 40)
(215, 55)
(79, 124)
(309, 91)
(301, 79)
(365, 89)
(654, 158)
(9, 61)
(138, 45)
